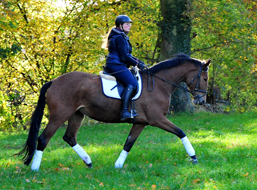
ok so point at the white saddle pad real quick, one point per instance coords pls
(110, 87)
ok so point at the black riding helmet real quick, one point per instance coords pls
(121, 19)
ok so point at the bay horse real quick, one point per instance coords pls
(73, 95)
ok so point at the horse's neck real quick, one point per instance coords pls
(171, 78)
(173, 75)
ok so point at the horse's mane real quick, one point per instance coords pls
(173, 62)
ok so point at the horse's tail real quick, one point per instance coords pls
(31, 143)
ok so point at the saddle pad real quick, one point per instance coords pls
(113, 89)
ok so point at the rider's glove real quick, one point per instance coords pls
(141, 65)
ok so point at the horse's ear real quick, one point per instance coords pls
(207, 63)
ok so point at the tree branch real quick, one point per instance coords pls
(23, 13)
(216, 45)
(26, 77)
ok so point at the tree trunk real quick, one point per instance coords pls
(175, 38)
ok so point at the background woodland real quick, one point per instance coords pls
(41, 40)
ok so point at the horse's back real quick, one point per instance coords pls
(71, 87)
(81, 91)
(75, 79)
(75, 76)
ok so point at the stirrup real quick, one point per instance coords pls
(124, 115)
(134, 112)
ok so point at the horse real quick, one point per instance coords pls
(74, 95)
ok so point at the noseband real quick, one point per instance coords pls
(181, 87)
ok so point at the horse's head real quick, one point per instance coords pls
(198, 83)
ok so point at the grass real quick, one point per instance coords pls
(225, 145)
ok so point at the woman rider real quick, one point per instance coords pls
(120, 59)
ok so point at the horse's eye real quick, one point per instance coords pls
(205, 80)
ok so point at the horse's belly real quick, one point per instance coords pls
(102, 114)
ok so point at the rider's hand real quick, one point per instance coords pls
(141, 65)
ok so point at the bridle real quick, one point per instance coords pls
(194, 92)
(198, 84)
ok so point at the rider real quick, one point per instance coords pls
(120, 59)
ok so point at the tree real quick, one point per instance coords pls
(40, 41)
(226, 32)
(175, 38)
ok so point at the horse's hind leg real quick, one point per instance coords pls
(70, 137)
(43, 140)
(167, 125)
(132, 137)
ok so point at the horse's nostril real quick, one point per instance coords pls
(202, 102)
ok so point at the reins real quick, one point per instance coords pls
(178, 86)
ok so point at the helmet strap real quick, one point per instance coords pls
(123, 29)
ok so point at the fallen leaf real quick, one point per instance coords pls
(196, 181)
(153, 186)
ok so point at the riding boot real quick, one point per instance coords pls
(125, 99)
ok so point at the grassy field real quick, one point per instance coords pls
(225, 144)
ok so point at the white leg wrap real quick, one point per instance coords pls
(83, 155)
(37, 160)
(120, 161)
(189, 148)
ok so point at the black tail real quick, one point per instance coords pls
(31, 143)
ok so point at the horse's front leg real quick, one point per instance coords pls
(132, 137)
(167, 125)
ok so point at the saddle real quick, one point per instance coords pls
(114, 89)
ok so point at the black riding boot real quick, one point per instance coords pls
(125, 99)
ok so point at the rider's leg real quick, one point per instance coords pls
(123, 75)
(125, 99)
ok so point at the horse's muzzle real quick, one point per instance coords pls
(199, 100)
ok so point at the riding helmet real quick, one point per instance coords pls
(121, 19)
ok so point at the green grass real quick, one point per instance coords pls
(225, 145)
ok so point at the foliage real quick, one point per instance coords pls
(226, 32)
(225, 146)
(41, 41)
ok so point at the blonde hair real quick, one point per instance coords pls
(105, 39)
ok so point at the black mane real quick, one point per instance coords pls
(173, 62)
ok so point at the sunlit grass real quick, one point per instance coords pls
(225, 146)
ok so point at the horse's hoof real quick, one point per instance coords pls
(194, 161)
(89, 165)
(118, 166)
